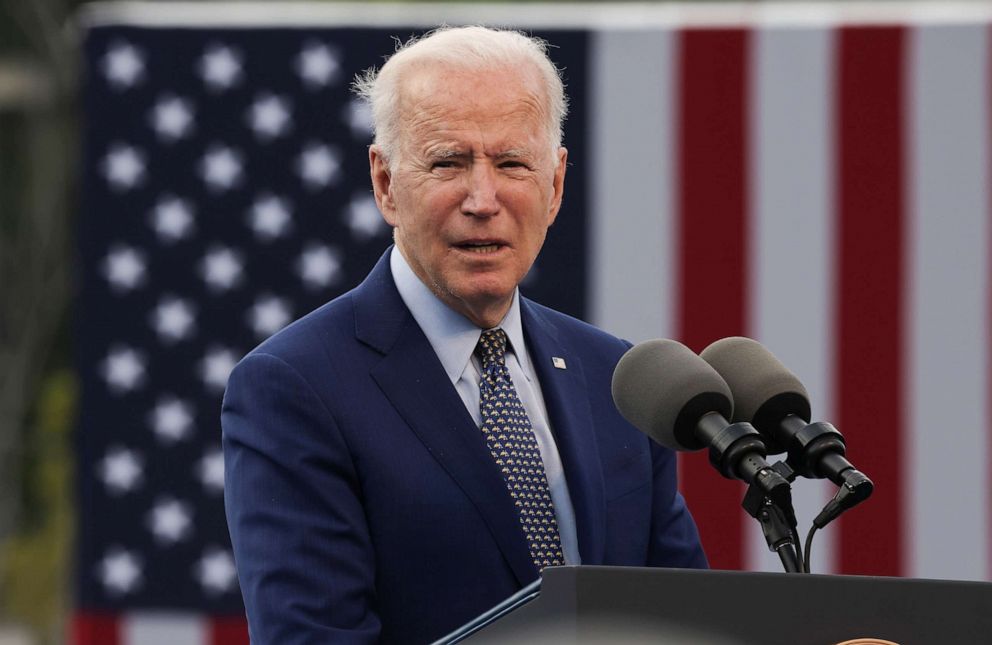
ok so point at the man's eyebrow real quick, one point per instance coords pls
(513, 153)
(446, 153)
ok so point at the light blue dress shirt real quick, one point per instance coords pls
(454, 338)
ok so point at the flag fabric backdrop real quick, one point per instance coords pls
(814, 177)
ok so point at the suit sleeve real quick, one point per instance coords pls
(301, 543)
(674, 537)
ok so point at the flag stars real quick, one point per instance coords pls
(170, 521)
(210, 470)
(221, 268)
(216, 366)
(318, 65)
(120, 470)
(124, 369)
(120, 571)
(123, 65)
(220, 67)
(364, 219)
(318, 165)
(172, 118)
(171, 419)
(173, 319)
(221, 168)
(216, 572)
(124, 268)
(319, 266)
(268, 315)
(123, 167)
(269, 217)
(269, 117)
(172, 219)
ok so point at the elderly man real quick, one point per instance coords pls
(417, 450)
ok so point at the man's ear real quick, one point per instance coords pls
(382, 184)
(558, 184)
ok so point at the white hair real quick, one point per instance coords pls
(473, 48)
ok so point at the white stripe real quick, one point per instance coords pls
(632, 250)
(548, 16)
(948, 447)
(792, 215)
(140, 628)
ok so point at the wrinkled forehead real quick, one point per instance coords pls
(445, 87)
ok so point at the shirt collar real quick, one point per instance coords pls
(452, 336)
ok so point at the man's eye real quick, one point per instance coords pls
(444, 164)
(513, 164)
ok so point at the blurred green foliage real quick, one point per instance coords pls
(36, 560)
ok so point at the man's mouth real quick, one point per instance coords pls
(480, 247)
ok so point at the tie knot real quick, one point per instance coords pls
(492, 347)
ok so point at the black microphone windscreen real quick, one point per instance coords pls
(764, 390)
(664, 388)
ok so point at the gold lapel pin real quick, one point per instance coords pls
(558, 362)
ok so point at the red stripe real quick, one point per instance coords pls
(869, 368)
(713, 229)
(94, 629)
(228, 631)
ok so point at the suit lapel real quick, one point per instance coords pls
(566, 398)
(412, 378)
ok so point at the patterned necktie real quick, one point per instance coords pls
(510, 438)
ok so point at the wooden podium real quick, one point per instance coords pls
(638, 605)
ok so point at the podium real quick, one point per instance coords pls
(586, 604)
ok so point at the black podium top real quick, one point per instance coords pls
(636, 605)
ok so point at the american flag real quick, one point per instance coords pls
(816, 177)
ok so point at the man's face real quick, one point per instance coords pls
(474, 186)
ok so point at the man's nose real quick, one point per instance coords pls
(480, 199)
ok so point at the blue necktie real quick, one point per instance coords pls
(510, 438)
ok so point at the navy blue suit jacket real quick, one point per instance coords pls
(363, 503)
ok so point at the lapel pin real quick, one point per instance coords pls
(558, 362)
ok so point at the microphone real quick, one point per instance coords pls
(774, 401)
(664, 389)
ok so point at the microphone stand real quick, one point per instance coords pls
(768, 502)
(738, 452)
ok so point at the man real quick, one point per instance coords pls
(417, 450)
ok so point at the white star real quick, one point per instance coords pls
(319, 266)
(358, 116)
(216, 571)
(172, 118)
(120, 571)
(123, 167)
(120, 470)
(172, 319)
(269, 217)
(220, 168)
(216, 367)
(124, 369)
(220, 67)
(123, 65)
(318, 165)
(172, 218)
(169, 521)
(171, 419)
(124, 268)
(317, 64)
(211, 471)
(221, 268)
(268, 116)
(267, 316)
(364, 218)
